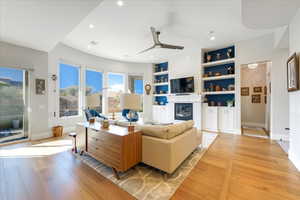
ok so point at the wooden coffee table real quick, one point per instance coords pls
(114, 147)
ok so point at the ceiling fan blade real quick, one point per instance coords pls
(154, 35)
(146, 50)
(168, 46)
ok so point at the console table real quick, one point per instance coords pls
(114, 147)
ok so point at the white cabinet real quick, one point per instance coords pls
(219, 119)
(210, 118)
(227, 119)
(160, 114)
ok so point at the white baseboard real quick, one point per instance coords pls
(295, 160)
(253, 124)
(284, 137)
(39, 136)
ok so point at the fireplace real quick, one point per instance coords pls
(183, 111)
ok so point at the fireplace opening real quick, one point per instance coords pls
(183, 111)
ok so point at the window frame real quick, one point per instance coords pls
(61, 61)
(125, 79)
(103, 87)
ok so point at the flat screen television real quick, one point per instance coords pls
(182, 85)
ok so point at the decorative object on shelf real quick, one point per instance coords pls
(40, 86)
(210, 74)
(256, 98)
(161, 92)
(219, 103)
(148, 89)
(293, 73)
(231, 87)
(224, 89)
(230, 70)
(257, 89)
(218, 74)
(161, 103)
(230, 103)
(218, 56)
(211, 87)
(218, 88)
(229, 53)
(265, 90)
(205, 75)
(208, 58)
(105, 124)
(245, 91)
(212, 103)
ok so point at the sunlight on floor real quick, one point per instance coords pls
(37, 150)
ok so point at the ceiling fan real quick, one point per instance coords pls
(158, 44)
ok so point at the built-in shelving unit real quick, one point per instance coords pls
(219, 62)
(160, 83)
(218, 76)
(218, 90)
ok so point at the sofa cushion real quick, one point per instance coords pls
(155, 131)
(179, 128)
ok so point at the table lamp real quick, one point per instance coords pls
(133, 103)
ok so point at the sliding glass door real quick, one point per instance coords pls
(13, 104)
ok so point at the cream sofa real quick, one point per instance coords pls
(166, 147)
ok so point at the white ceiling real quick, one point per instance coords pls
(121, 32)
(41, 24)
(268, 13)
(124, 31)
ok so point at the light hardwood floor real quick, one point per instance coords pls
(241, 167)
(235, 167)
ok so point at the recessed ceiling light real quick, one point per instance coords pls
(89, 47)
(211, 35)
(120, 3)
(91, 26)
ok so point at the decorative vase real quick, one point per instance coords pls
(208, 58)
(229, 53)
(218, 56)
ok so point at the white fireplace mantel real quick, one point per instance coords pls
(191, 98)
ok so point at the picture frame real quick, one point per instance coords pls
(257, 89)
(40, 86)
(256, 98)
(265, 90)
(245, 91)
(293, 73)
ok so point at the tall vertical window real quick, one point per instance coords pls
(93, 90)
(68, 90)
(136, 86)
(116, 86)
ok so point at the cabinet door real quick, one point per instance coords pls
(210, 118)
(227, 120)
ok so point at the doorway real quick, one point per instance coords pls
(255, 99)
(13, 104)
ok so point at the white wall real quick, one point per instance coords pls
(68, 54)
(45, 64)
(294, 114)
(186, 64)
(262, 49)
(21, 57)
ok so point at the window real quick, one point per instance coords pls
(94, 90)
(68, 90)
(135, 84)
(116, 86)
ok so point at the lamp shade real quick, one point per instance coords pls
(131, 101)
